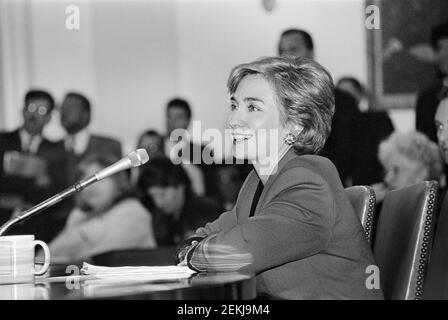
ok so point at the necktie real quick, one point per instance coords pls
(70, 144)
(28, 146)
(72, 161)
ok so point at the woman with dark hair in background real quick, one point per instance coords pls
(292, 225)
(177, 210)
(106, 217)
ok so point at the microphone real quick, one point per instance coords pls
(134, 159)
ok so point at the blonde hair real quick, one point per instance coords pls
(416, 147)
(304, 89)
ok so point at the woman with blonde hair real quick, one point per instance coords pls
(407, 158)
(293, 225)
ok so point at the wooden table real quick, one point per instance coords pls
(61, 283)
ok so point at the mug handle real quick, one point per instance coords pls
(47, 258)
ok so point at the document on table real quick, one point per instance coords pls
(138, 274)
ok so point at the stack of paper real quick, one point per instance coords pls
(138, 274)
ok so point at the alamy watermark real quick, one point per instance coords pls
(261, 145)
(373, 19)
(373, 278)
(73, 17)
(73, 281)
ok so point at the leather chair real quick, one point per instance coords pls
(403, 239)
(363, 201)
(436, 284)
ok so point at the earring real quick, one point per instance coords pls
(290, 138)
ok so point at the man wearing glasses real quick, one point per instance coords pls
(31, 167)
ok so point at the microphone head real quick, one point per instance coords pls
(138, 157)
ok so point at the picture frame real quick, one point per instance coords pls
(400, 58)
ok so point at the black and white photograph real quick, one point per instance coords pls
(207, 151)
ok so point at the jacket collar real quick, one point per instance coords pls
(289, 155)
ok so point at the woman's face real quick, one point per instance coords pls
(402, 172)
(255, 120)
(99, 196)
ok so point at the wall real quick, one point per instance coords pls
(62, 59)
(123, 58)
(15, 56)
(216, 35)
(130, 57)
(403, 119)
(136, 64)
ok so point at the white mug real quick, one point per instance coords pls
(17, 259)
(24, 291)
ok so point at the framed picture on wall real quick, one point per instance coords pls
(400, 57)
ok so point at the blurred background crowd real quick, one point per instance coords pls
(54, 142)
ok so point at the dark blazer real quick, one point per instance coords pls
(425, 111)
(341, 144)
(47, 224)
(52, 153)
(303, 242)
(374, 127)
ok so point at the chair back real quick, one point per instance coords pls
(403, 239)
(363, 201)
(436, 284)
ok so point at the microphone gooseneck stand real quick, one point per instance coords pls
(133, 159)
(48, 203)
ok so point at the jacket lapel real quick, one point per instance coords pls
(283, 161)
(15, 143)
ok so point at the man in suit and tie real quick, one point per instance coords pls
(79, 142)
(31, 167)
(180, 149)
(342, 142)
(429, 99)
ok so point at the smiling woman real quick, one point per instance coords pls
(255, 120)
(292, 224)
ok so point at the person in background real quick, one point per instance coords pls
(342, 143)
(441, 125)
(32, 168)
(407, 158)
(178, 117)
(296, 43)
(153, 143)
(429, 99)
(354, 88)
(177, 211)
(106, 217)
(80, 143)
(293, 225)
(373, 127)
